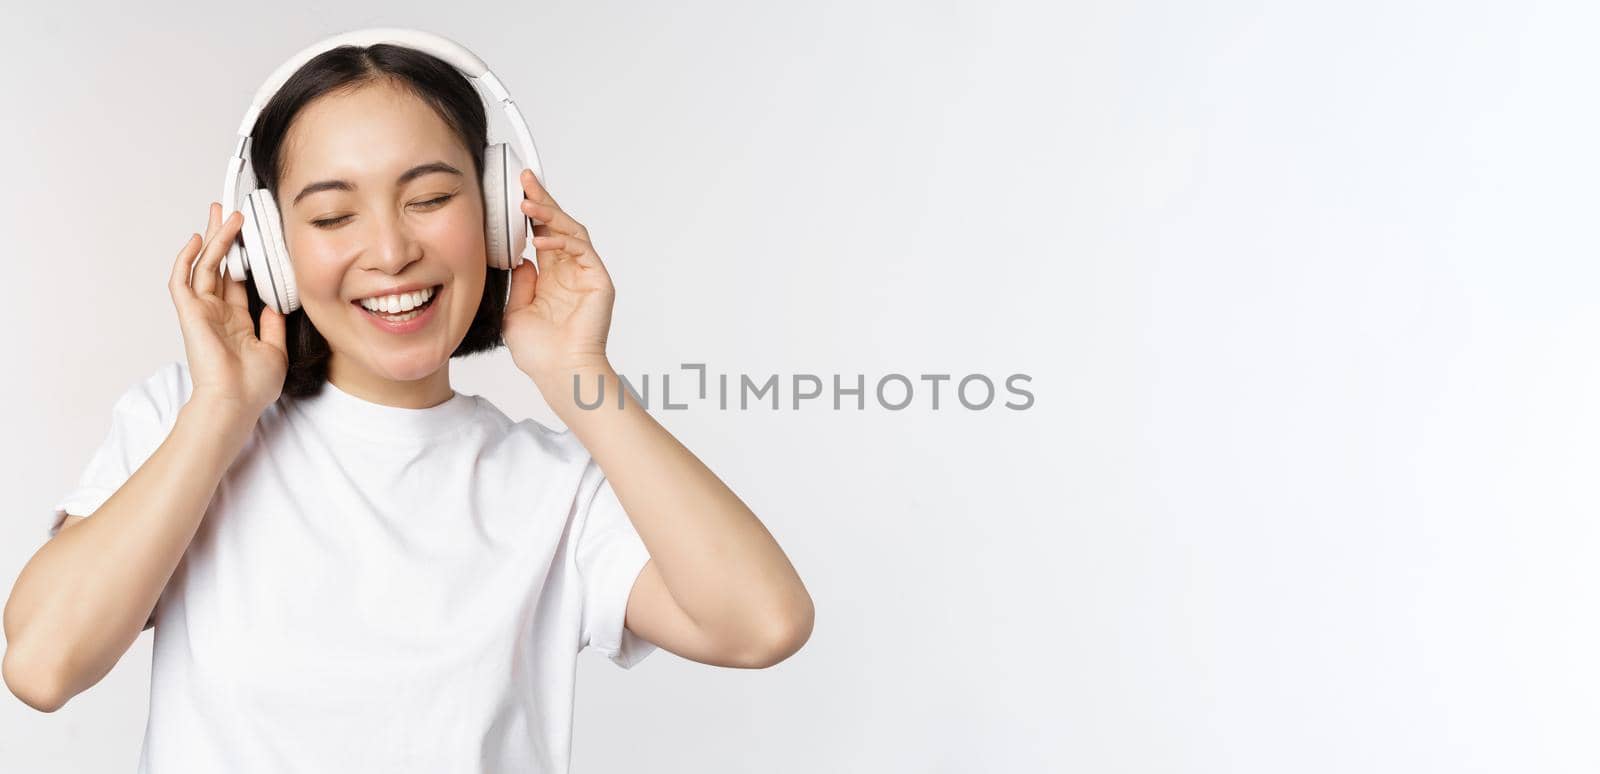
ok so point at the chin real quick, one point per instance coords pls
(408, 368)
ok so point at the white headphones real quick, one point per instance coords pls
(259, 249)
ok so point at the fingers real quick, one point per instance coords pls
(539, 205)
(178, 283)
(554, 220)
(206, 275)
(533, 189)
(524, 278)
(563, 247)
(214, 218)
(233, 292)
(272, 328)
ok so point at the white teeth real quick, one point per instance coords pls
(403, 317)
(400, 302)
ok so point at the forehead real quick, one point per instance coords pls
(374, 132)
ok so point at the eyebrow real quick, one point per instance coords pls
(405, 177)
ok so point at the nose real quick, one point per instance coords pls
(393, 246)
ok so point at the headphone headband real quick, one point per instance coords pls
(454, 53)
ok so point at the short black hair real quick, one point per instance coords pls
(342, 70)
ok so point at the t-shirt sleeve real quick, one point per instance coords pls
(610, 555)
(140, 420)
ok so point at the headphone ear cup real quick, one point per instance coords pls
(278, 253)
(505, 227)
(253, 252)
(267, 254)
(237, 259)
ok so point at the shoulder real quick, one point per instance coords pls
(159, 394)
(529, 436)
(171, 382)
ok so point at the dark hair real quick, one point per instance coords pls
(343, 70)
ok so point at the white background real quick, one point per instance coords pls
(1305, 291)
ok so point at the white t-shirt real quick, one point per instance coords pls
(377, 589)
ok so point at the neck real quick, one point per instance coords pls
(426, 392)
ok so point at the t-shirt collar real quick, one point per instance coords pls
(333, 406)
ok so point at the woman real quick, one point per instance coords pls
(350, 566)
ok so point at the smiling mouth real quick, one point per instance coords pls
(400, 317)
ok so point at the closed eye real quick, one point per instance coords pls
(431, 204)
(439, 201)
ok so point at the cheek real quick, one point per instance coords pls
(458, 242)
(453, 236)
(318, 271)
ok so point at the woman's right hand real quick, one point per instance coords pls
(228, 364)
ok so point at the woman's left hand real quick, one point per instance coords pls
(558, 315)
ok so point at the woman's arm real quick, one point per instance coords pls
(83, 597)
(717, 584)
(716, 560)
